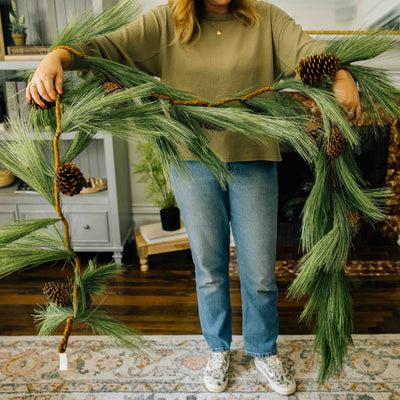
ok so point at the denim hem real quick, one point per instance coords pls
(218, 349)
(267, 354)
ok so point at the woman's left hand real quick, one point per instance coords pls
(345, 91)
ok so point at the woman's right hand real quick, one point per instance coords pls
(48, 78)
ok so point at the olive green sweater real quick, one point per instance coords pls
(215, 66)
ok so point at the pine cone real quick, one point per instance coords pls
(314, 69)
(313, 128)
(69, 178)
(111, 87)
(354, 222)
(57, 292)
(336, 143)
(47, 104)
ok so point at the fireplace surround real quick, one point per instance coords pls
(380, 162)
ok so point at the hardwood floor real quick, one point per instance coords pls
(163, 300)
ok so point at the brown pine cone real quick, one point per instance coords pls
(70, 179)
(57, 292)
(111, 87)
(336, 143)
(313, 128)
(313, 70)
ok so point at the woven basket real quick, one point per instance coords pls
(6, 177)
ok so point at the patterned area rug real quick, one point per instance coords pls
(99, 369)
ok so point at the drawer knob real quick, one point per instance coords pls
(86, 226)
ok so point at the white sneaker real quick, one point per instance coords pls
(216, 371)
(278, 377)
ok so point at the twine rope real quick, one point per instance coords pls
(62, 347)
(201, 102)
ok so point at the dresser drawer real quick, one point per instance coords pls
(37, 211)
(89, 226)
(8, 212)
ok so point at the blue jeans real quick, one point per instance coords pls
(250, 203)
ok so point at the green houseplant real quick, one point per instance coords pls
(17, 26)
(158, 186)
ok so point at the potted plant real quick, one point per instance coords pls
(17, 26)
(158, 186)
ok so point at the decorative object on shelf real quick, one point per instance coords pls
(158, 185)
(17, 26)
(23, 187)
(6, 178)
(27, 50)
(171, 119)
(94, 185)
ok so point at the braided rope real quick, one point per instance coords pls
(204, 103)
(71, 50)
(67, 331)
(183, 102)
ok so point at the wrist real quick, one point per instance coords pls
(63, 56)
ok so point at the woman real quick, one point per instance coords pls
(215, 49)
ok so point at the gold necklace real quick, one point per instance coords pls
(219, 30)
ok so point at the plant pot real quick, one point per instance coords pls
(19, 38)
(6, 178)
(170, 218)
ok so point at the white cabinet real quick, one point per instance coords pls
(99, 222)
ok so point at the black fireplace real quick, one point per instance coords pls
(296, 180)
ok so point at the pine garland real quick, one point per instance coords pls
(132, 105)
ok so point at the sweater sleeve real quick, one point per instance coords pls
(290, 42)
(136, 45)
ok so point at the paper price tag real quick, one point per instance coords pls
(63, 362)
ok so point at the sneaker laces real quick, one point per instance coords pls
(276, 367)
(218, 359)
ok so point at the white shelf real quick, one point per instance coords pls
(23, 64)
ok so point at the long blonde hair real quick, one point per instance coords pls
(187, 13)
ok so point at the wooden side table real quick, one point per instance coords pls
(145, 250)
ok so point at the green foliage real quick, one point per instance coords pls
(49, 318)
(24, 155)
(38, 247)
(89, 25)
(376, 89)
(103, 324)
(158, 186)
(361, 46)
(94, 276)
(14, 230)
(168, 129)
(77, 145)
(17, 22)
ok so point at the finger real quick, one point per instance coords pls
(358, 112)
(59, 82)
(35, 96)
(28, 92)
(49, 87)
(351, 114)
(43, 92)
